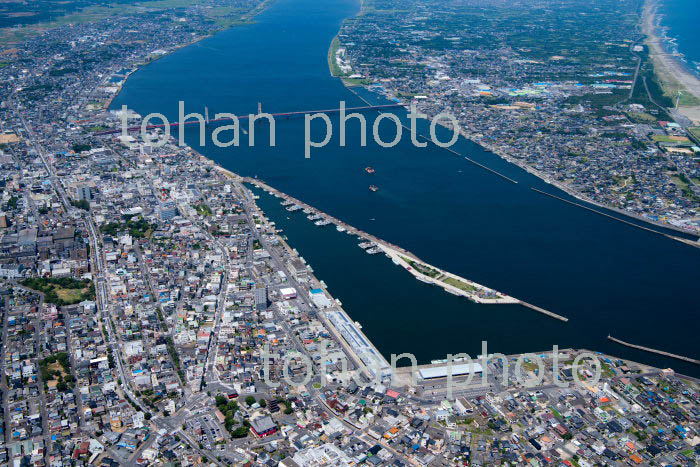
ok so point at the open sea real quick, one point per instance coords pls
(682, 22)
(605, 276)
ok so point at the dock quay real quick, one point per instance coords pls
(318, 215)
(659, 352)
(365, 356)
(421, 270)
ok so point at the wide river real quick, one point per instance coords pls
(607, 277)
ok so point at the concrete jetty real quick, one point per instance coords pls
(543, 311)
(421, 270)
(660, 352)
(452, 283)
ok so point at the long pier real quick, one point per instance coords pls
(543, 311)
(399, 256)
(244, 117)
(660, 352)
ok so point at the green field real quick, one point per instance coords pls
(425, 270)
(641, 117)
(356, 81)
(332, 64)
(669, 139)
(62, 291)
(459, 284)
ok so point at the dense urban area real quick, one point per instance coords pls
(564, 89)
(141, 288)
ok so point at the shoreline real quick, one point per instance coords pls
(522, 165)
(659, 31)
(449, 282)
(647, 17)
(361, 363)
(569, 191)
(237, 177)
(243, 20)
(669, 69)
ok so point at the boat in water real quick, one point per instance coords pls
(373, 187)
(369, 170)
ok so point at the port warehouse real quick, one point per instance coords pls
(438, 372)
(364, 350)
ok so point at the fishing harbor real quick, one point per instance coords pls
(422, 271)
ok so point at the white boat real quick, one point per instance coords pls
(340, 228)
(374, 251)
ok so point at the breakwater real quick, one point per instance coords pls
(649, 349)
(421, 270)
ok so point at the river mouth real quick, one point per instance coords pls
(606, 277)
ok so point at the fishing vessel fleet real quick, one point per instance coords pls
(320, 220)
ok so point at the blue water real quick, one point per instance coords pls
(607, 277)
(682, 18)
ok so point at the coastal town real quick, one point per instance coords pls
(151, 314)
(578, 104)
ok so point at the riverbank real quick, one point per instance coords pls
(524, 166)
(244, 19)
(503, 155)
(422, 271)
(672, 73)
(369, 361)
(448, 213)
(571, 192)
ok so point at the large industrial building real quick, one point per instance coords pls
(458, 369)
